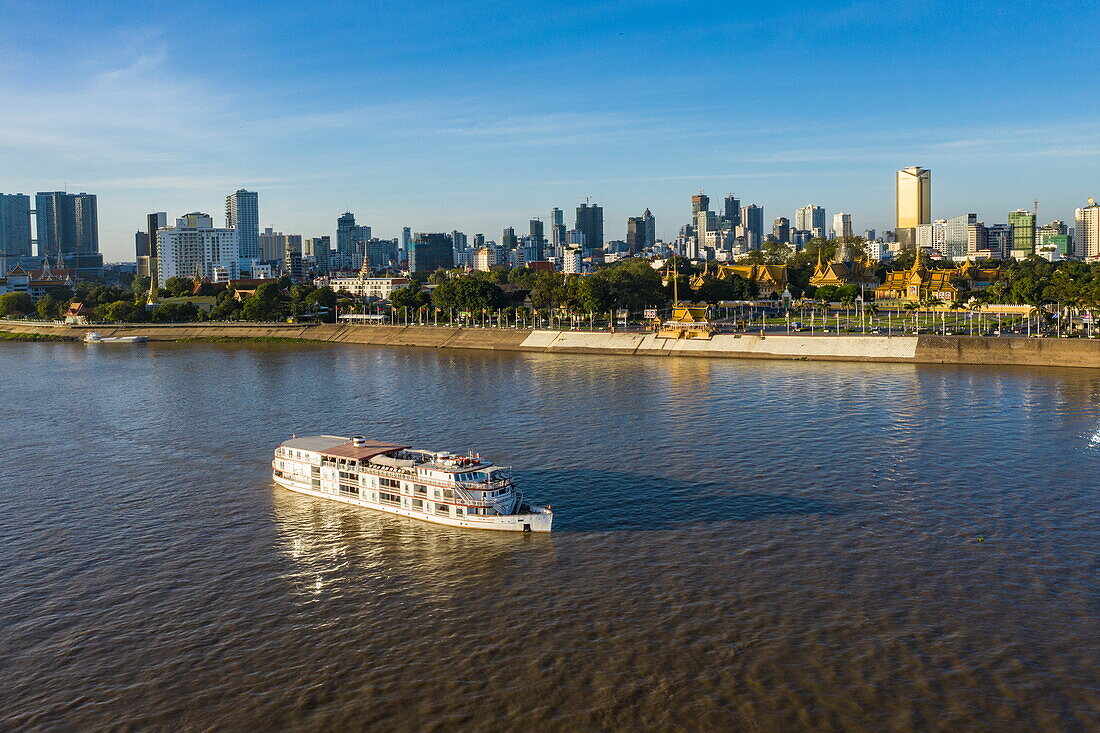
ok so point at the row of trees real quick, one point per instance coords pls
(272, 301)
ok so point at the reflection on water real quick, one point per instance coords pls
(740, 545)
(327, 542)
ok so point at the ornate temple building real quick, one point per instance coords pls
(842, 270)
(919, 282)
(769, 279)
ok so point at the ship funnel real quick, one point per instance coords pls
(358, 441)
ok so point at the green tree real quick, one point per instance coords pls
(266, 304)
(523, 277)
(178, 286)
(49, 308)
(776, 253)
(323, 298)
(16, 304)
(734, 287)
(469, 294)
(227, 309)
(411, 296)
(175, 313)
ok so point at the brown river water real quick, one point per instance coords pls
(739, 545)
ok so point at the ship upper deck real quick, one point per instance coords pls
(389, 455)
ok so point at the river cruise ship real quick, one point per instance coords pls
(436, 486)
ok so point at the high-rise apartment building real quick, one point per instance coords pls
(1022, 222)
(931, 236)
(699, 202)
(194, 247)
(242, 212)
(913, 208)
(292, 257)
(508, 238)
(381, 253)
(272, 245)
(590, 221)
(15, 225)
(536, 241)
(430, 251)
(319, 249)
(842, 224)
(810, 218)
(67, 223)
(1086, 232)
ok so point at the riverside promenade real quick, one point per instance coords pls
(919, 349)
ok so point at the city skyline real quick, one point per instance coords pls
(489, 116)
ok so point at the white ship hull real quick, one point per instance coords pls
(540, 520)
(95, 338)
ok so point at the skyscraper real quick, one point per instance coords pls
(810, 218)
(1087, 230)
(636, 234)
(508, 238)
(842, 224)
(242, 212)
(590, 221)
(153, 222)
(15, 225)
(699, 202)
(781, 229)
(557, 229)
(1022, 222)
(732, 209)
(752, 221)
(347, 233)
(429, 252)
(650, 228)
(68, 224)
(141, 247)
(913, 203)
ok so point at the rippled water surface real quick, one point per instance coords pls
(740, 545)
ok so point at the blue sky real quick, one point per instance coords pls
(478, 116)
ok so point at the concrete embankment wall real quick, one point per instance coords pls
(906, 349)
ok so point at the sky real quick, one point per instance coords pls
(480, 115)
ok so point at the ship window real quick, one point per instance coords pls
(474, 510)
(458, 510)
(392, 498)
(418, 503)
(389, 483)
(448, 493)
(442, 509)
(420, 489)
